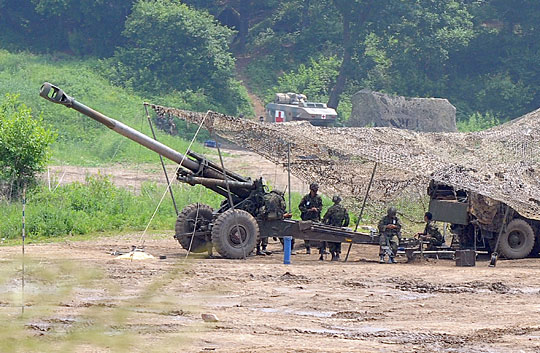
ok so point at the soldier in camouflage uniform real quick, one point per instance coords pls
(431, 233)
(273, 208)
(310, 207)
(336, 216)
(389, 235)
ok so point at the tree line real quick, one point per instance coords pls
(482, 55)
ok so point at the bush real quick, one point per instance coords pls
(314, 80)
(172, 47)
(477, 122)
(24, 144)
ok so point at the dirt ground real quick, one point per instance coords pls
(265, 306)
(238, 160)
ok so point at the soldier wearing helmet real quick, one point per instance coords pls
(336, 216)
(310, 209)
(389, 235)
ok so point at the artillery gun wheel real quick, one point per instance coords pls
(517, 241)
(232, 242)
(188, 221)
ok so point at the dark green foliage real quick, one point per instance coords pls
(499, 69)
(80, 27)
(481, 55)
(172, 47)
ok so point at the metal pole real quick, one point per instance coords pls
(494, 254)
(161, 159)
(362, 209)
(23, 239)
(289, 173)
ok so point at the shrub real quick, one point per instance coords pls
(24, 144)
(477, 122)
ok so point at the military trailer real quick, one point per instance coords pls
(295, 107)
(482, 223)
(243, 217)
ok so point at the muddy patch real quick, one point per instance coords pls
(355, 284)
(292, 278)
(465, 287)
(355, 316)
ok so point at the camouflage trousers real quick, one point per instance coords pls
(392, 240)
(263, 242)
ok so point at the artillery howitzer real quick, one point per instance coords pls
(233, 231)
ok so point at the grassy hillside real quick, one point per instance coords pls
(81, 140)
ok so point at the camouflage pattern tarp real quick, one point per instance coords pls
(501, 163)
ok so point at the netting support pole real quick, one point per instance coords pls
(161, 159)
(362, 209)
(289, 173)
(23, 241)
(494, 254)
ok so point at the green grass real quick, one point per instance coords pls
(97, 206)
(82, 141)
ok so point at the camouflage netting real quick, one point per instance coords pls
(500, 163)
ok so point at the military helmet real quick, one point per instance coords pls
(314, 186)
(392, 211)
(336, 199)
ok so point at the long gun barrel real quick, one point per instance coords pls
(198, 165)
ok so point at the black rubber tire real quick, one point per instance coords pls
(185, 224)
(535, 252)
(517, 241)
(225, 238)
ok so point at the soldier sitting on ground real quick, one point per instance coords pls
(389, 235)
(336, 216)
(431, 233)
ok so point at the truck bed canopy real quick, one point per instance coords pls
(501, 163)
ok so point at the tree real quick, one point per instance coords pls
(499, 69)
(81, 27)
(356, 16)
(313, 80)
(24, 145)
(172, 47)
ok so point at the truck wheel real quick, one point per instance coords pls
(234, 242)
(194, 217)
(536, 248)
(518, 240)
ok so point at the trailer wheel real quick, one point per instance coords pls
(234, 242)
(518, 240)
(194, 217)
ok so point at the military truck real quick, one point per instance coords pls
(477, 221)
(295, 107)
